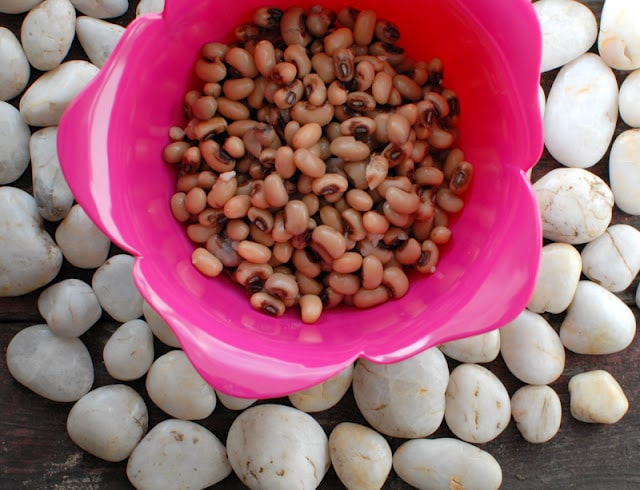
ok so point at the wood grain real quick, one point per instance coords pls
(35, 451)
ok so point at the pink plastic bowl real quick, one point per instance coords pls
(110, 143)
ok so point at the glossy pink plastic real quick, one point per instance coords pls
(111, 139)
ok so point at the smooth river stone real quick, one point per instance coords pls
(176, 387)
(178, 454)
(81, 241)
(581, 112)
(446, 463)
(360, 456)
(624, 170)
(98, 38)
(233, 402)
(14, 144)
(276, 446)
(531, 349)
(70, 307)
(477, 404)
(159, 327)
(29, 258)
(569, 29)
(405, 399)
(628, 100)
(558, 276)
(128, 354)
(17, 6)
(16, 70)
(613, 259)
(46, 99)
(115, 289)
(324, 395)
(50, 189)
(47, 33)
(575, 205)
(54, 367)
(477, 348)
(149, 6)
(102, 9)
(108, 422)
(597, 321)
(597, 398)
(619, 37)
(537, 412)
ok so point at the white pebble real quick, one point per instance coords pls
(149, 6)
(597, 398)
(324, 395)
(477, 404)
(619, 37)
(233, 402)
(446, 463)
(476, 349)
(403, 399)
(558, 276)
(597, 321)
(14, 143)
(360, 456)
(176, 387)
(531, 349)
(102, 9)
(275, 446)
(159, 327)
(624, 170)
(178, 454)
(537, 412)
(17, 6)
(108, 422)
(47, 33)
(575, 205)
(612, 260)
(29, 258)
(54, 367)
(628, 100)
(581, 112)
(542, 100)
(98, 38)
(70, 307)
(50, 189)
(16, 70)
(569, 29)
(46, 99)
(81, 241)
(115, 289)
(128, 354)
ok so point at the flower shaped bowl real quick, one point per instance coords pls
(110, 144)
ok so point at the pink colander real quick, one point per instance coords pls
(110, 144)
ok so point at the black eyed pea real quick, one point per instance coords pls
(440, 138)
(253, 252)
(275, 191)
(461, 177)
(199, 233)
(315, 89)
(210, 69)
(340, 38)
(264, 57)
(396, 281)
(204, 107)
(307, 136)
(312, 202)
(401, 220)
(429, 176)
(322, 64)
(234, 147)
(279, 234)
(284, 73)
(330, 216)
(237, 229)
(282, 251)
(212, 217)
(237, 206)
(359, 199)
(262, 218)
(348, 263)
(331, 298)
(329, 184)
(308, 285)
(305, 112)
(429, 257)
(261, 237)
(448, 201)
(440, 235)
(173, 152)
(308, 163)
(293, 28)
(349, 149)
(402, 201)
(305, 264)
(368, 298)
(284, 165)
(364, 27)
(365, 74)
(372, 272)
(223, 190)
(375, 223)
(319, 20)
(353, 226)
(296, 217)
(178, 208)
(346, 284)
(232, 109)
(241, 60)
(376, 171)
(296, 54)
(237, 88)
(268, 17)
(362, 102)
(224, 249)
(206, 179)
(310, 308)
(336, 93)
(282, 286)
(266, 303)
(207, 263)
(330, 240)
(409, 252)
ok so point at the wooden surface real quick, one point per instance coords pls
(35, 451)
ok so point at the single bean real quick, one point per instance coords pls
(386, 31)
(358, 127)
(393, 54)
(372, 272)
(319, 20)
(266, 303)
(237, 229)
(214, 89)
(448, 201)
(402, 201)
(284, 165)
(174, 152)
(290, 130)
(322, 148)
(409, 252)
(284, 73)
(308, 285)
(349, 149)
(440, 104)
(178, 208)
(408, 111)
(428, 258)
(204, 107)
(359, 200)
(336, 93)
(376, 171)
(422, 229)
(186, 182)
(240, 127)
(265, 57)
(274, 190)
(396, 281)
(400, 182)
(198, 233)
(207, 263)
(429, 176)
(279, 233)
(303, 185)
(364, 27)
(398, 129)
(253, 252)
(304, 112)
(232, 109)
(331, 298)
(440, 138)
(310, 308)
(305, 264)
(365, 75)
(224, 249)
(297, 55)
(461, 178)
(292, 27)
(361, 101)
(374, 222)
(347, 16)
(196, 200)
(440, 235)
(440, 217)
(212, 217)
(261, 218)
(328, 239)
(368, 298)
(395, 99)
(282, 286)
(395, 218)
(407, 87)
(329, 184)
(307, 136)
(315, 89)
(296, 217)
(234, 147)
(237, 206)
(241, 60)
(210, 69)
(288, 95)
(346, 284)
(282, 252)
(257, 195)
(223, 190)
(268, 17)
(426, 208)
(454, 158)
(341, 38)
(237, 88)
(308, 163)
(323, 65)
(203, 130)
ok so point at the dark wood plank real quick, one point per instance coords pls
(35, 451)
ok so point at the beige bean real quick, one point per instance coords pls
(346, 284)
(440, 217)
(454, 158)
(268, 17)
(374, 222)
(349, 149)
(356, 173)
(336, 93)
(198, 233)
(322, 149)
(253, 252)
(303, 185)
(310, 308)
(173, 152)
(284, 164)
(290, 130)
(365, 75)
(282, 286)
(186, 182)
(237, 88)
(232, 109)
(329, 184)
(368, 298)
(304, 112)
(214, 89)
(347, 16)
(359, 199)
(252, 276)
(275, 192)
(408, 111)
(322, 64)
(461, 178)
(204, 107)
(364, 27)
(386, 31)
(178, 208)
(395, 218)
(396, 281)
(297, 55)
(395, 99)
(237, 229)
(429, 176)
(348, 263)
(223, 190)
(256, 98)
(407, 87)
(195, 200)
(296, 217)
(261, 218)
(282, 252)
(392, 53)
(343, 64)
(207, 263)
(266, 303)
(448, 201)
(328, 239)
(398, 129)
(234, 146)
(293, 28)
(237, 206)
(213, 49)
(210, 69)
(330, 216)
(400, 182)
(360, 101)
(319, 20)
(402, 201)
(440, 235)
(307, 136)
(288, 95)
(372, 272)
(381, 87)
(305, 264)
(422, 229)
(265, 57)
(239, 128)
(342, 37)
(440, 138)
(308, 163)
(409, 252)
(359, 127)
(241, 60)
(353, 227)
(315, 89)
(211, 127)
(376, 171)
(308, 285)
(426, 208)
(440, 104)
(428, 258)
(212, 217)
(284, 73)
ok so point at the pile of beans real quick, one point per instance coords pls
(317, 163)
